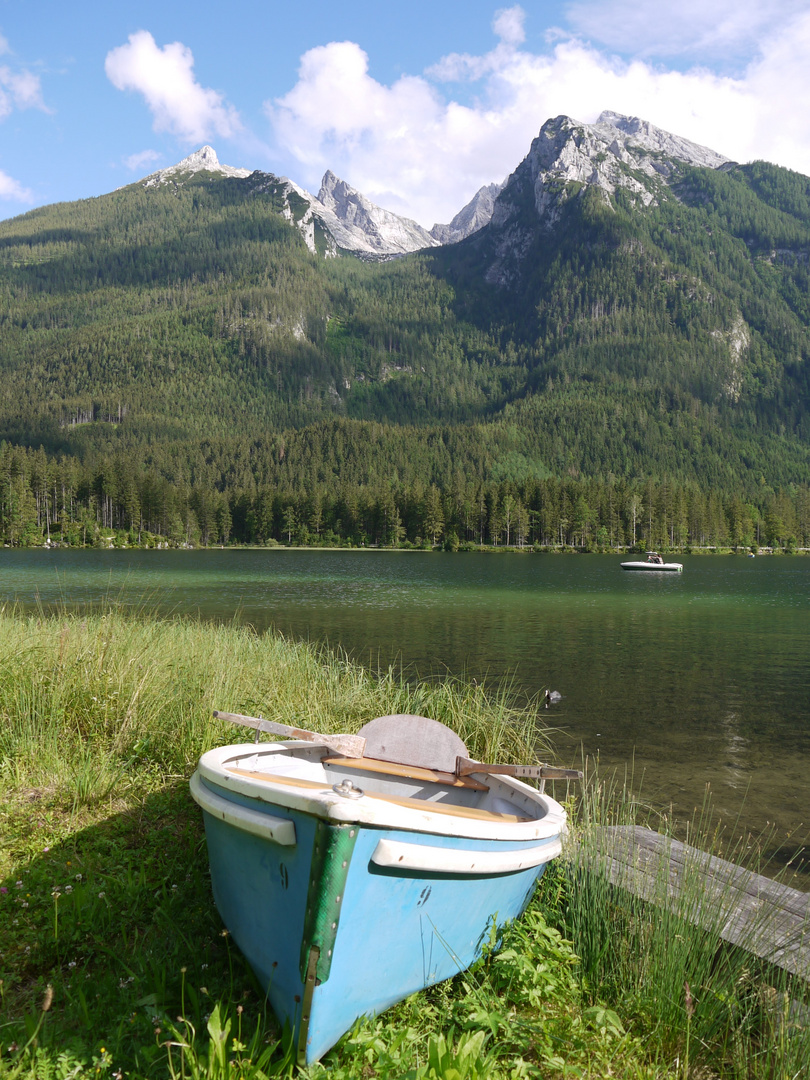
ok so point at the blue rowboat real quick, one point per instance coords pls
(350, 883)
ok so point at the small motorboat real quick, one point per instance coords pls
(654, 562)
(353, 871)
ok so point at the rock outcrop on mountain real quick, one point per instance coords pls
(343, 216)
(343, 219)
(474, 216)
(364, 226)
(203, 160)
(568, 157)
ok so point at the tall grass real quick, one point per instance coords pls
(106, 912)
(656, 952)
(83, 700)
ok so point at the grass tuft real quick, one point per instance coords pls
(113, 961)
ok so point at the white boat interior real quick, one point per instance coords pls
(308, 777)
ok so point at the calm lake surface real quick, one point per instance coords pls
(688, 680)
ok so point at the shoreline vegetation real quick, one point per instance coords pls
(114, 502)
(113, 961)
(116, 543)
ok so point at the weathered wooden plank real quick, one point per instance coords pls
(427, 806)
(766, 918)
(466, 767)
(413, 772)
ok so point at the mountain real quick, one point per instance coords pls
(472, 217)
(204, 160)
(340, 218)
(367, 227)
(569, 158)
(630, 307)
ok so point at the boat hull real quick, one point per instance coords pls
(351, 917)
(654, 568)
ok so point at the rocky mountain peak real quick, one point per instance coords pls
(472, 217)
(568, 156)
(366, 226)
(203, 160)
(642, 133)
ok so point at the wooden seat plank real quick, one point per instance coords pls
(424, 805)
(413, 772)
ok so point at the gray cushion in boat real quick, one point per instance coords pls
(413, 740)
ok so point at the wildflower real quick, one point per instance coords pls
(18, 884)
(101, 895)
(78, 877)
(3, 889)
(72, 964)
(47, 1000)
(68, 888)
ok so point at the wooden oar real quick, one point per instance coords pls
(348, 745)
(465, 767)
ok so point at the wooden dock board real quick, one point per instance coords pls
(763, 917)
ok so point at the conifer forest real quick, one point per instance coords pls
(176, 367)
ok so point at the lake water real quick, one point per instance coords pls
(696, 679)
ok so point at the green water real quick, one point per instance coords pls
(689, 680)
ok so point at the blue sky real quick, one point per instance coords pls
(416, 104)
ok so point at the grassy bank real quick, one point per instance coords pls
(114, 962)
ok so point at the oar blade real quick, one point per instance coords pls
(348, 745)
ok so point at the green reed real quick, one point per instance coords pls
(86, 699)
(711, 1008)
(106, 911)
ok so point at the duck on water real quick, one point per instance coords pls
(655, 563)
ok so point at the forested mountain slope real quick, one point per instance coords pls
(649, 320)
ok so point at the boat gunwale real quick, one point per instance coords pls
(652, 568)
(325, 803)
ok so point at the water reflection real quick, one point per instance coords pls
(692, 680)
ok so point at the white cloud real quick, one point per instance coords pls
(19, 90)
(11, 189)
(417, 151)
(140, 160)
(508, 25)
(165, 77)
(710, 28)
